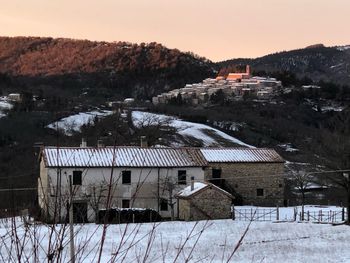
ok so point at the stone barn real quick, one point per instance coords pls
(203, 201)
(255, 176)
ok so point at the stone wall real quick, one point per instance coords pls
(246, 178)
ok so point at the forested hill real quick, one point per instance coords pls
(316, 62)
(129, 69)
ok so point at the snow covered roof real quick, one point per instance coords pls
(241, 155)
(123, 157)
(131, 156)
(198, 187)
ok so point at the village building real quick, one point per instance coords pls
(15, 97)
(143, 177)
(233, 85)
(239, 76)
(204, 201)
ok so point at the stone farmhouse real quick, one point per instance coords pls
(253, 175)
(95, 178)
(233, 85)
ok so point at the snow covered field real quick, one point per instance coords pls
(203, 241)
(73, 123)
(208, 135)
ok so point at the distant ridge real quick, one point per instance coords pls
(317, 62)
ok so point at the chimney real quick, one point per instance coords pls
(100, 143)
(144, 143)
(192, 183)
(83, 142)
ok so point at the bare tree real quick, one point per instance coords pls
(96, 195)
(169, 187)
(343, 181)
(303, 181)
(154, 127)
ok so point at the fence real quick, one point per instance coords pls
(323, 216)
(288, 214)
(256, 214)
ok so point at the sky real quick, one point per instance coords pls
(216, 29)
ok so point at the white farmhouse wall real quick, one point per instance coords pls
(142, 192)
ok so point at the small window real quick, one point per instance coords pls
(126, 177)
(259, 192)
(216, 173)
(125, 203)
(163, 205)
(181, 177)
(77, 177)
(280, 185)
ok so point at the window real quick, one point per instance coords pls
(125, 203)
(280, 185)
(259, 192)
(216, 173)
(181, 177)
(126, 177)
(77, 177)
(163, 205)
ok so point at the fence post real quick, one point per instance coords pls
(233, 214)
(278, 213)
(295, 214)
(343, 214)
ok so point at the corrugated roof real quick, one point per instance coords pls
(153, 157)
(122, 156)
(241, 155)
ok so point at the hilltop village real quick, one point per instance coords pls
(234, 86)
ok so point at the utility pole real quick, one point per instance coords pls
(71, 228)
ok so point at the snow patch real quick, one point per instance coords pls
(228, 125)
(187, 191)
(288, 147)
(186, 128)
(5, 105)
(338, 65)
(325, 109)
(73, 123)
(343, 48)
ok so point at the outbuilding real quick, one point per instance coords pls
(203, 201)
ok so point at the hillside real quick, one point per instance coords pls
(316, 62)
(127, 69)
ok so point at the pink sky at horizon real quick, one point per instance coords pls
(218, 30)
